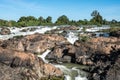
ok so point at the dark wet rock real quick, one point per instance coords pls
(24, 30)
(5, 31)
(106, 67)
(28, 29)
(69, 28)
(115, 33)
(62, 53)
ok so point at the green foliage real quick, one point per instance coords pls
(84, 29)
(84, 38)
(62, 20)
(18, 37)
(112, 29)
(97, 18)
(24, 21)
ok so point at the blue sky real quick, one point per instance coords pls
(74, 9)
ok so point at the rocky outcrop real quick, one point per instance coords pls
(36, 43)
(106, 67)
(28, 29)
(5, 31)
(115, 33)
(17, 65)
(62, 29)
(81, 52)
(62, 53)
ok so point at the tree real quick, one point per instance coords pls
(105, 22)
(31, 18)
(41, 20)
(94, 13)
(49, 19)
(23, 18)
(12, 23)
(97, 18)
(27, 21)
(62, 20)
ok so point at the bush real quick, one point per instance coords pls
(84, 38)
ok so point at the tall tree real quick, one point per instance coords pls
(49, 19)
(62, 20)
(41, 20)
(97, 18)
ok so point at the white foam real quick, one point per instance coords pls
(17, 31)
(44, 55)
(67, 77)
(71, 37)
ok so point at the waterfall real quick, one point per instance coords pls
(67, 77)
(71, 37)
(17, 31)
(78, 77)
(44, 55)
(67, 71)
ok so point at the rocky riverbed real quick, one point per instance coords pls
(68, 57)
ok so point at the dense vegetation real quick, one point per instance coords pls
(23, 21)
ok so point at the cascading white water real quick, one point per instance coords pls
(71, 37)
(66, 71)
(67, 77)
(17, 31)
(44, 55)
(79, 77)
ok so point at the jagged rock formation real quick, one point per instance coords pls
(17, 65)
(36, 43)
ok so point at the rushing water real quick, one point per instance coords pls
(72, 72)
(18, 31)
(44, 55)
(71, 37)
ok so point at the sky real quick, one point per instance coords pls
(73, 9)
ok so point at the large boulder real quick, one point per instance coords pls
(5, 31)
(17, 65)
(62, 53)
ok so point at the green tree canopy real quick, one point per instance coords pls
(96, 18)
(62, 20)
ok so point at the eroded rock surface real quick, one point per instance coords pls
(17, 65)
(36, 43)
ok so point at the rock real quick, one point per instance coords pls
(24, 30)
(84, 52)
(69, 28)
(106, 67)
(66, 59)
(5, 31)
(49, 70)
(35, 43)
(115, 33)
(62, 53)
(17, 65)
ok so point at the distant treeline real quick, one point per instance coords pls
(23, 21)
